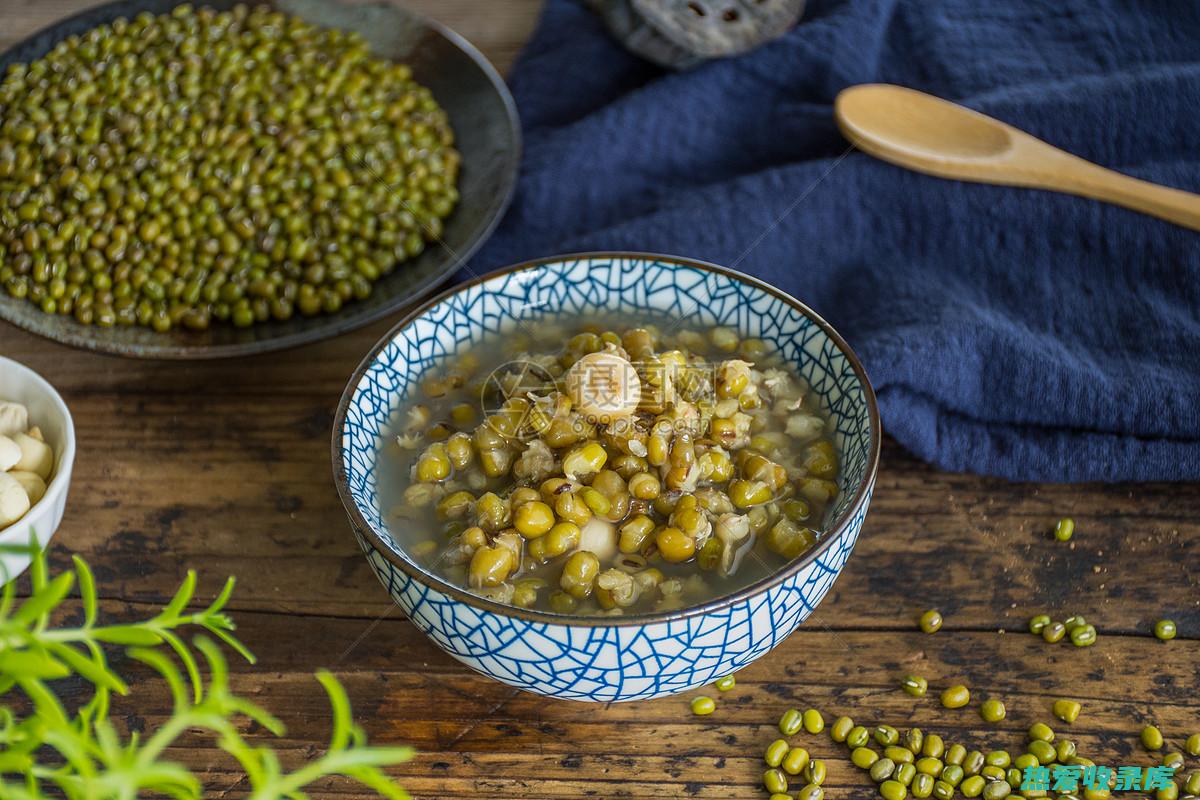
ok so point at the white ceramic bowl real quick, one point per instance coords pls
(20, 384)
(603, 658)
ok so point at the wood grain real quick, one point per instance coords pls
(224, 468)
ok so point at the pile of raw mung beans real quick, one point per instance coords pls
(173, 170)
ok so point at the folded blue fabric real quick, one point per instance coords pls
(1007, 331)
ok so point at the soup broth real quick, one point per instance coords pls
(613, 465)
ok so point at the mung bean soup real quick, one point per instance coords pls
(618, 465)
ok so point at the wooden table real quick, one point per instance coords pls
(224, 468)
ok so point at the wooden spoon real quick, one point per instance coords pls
(931, 135)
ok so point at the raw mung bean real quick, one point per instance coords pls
(956, 697)
(943, 790)
(726, 683)
(795, 761)
(1064, 750)
(992, 711)
(930, 766)
(952, 774)
(913, 739)
(901, 755)
(1054, 632)
(996, 790)
(775, 752)
(1074, 621)
(1067, 710)
(814, 771)
(1040, 731)
(1024, 761)
(857, 737)
(1038, 623)
(811, 792)
(882, 769)
(1043, 751)
(915, 685)
(998, 758)
(813, 721)
(973, 763)
(863, 757)
(955, 754)
(775, 781)
(922, 786)
(1165, 629)
(779, 796)
(972, 786)
(892, 790)
(1173, 760)
(703, 706)
(1192, 745)
(886, 735)
(791, 722)
(1083, 636)
(904, 774)
(841, 728)
(931, 621)
(1192, 784)
(1152, 738)
(934, 746)
(1064, 529)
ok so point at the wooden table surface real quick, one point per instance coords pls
(224, 467)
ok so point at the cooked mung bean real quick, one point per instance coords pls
(683, 494)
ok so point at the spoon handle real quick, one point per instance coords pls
(1068, 173)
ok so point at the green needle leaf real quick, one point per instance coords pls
(44, 600)
(87, 590)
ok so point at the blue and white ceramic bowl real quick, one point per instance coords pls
(606, 658)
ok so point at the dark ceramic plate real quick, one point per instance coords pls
(488, 136)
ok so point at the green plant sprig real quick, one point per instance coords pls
(81, 754)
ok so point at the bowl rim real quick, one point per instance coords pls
(88, 338)
(63, 464)
(363, 528)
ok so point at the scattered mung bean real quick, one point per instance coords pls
(886, 735)
(791, 722)
(892, 790)
(934, 746)
(1054, 632)
(882, 769)
(775, 752)
(863, 757)
(857, 737)
(775, 781)
(914, 738)
(814, 771)
(1043, 751)
(915, 685)
(953, 774)
(1038, 623)
(931, 621)
(813, 721)
(972, 786)
(841, 728)
(1192, 745)
(1152, 738)
(904, 774)
(1173, 760)
(922, 786)
(811, 792)
(992, 711)
(795, 761)
(1040, 731)
(703, 706)
(973, 763)
(1165, 629)
(956, 697)
(726, 683)
(1064, 529)
(901, 755)
(955, 754)
(1067, 710)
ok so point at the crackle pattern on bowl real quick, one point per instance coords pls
(627, 659)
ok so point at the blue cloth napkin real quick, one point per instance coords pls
(1009, 332)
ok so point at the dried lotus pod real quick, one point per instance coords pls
(682, 33)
